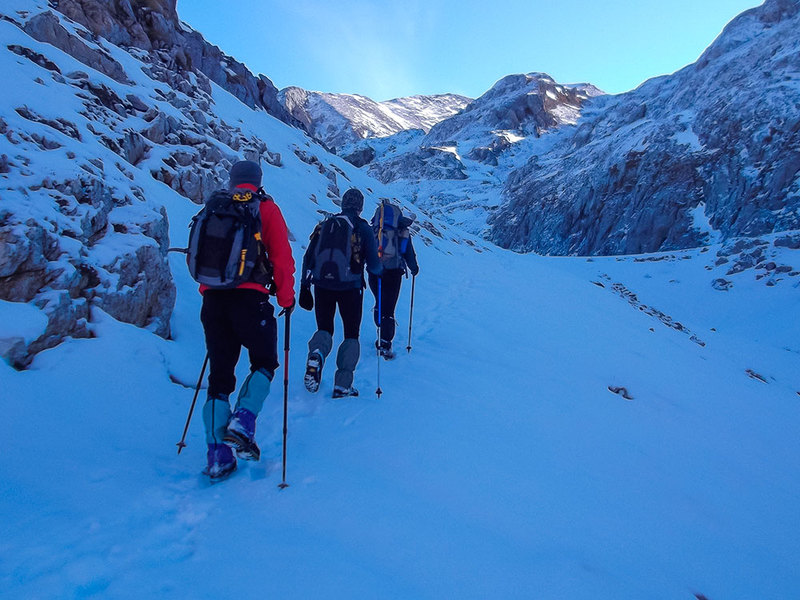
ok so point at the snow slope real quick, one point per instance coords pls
(496, 465)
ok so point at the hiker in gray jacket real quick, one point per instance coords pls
(334, 262)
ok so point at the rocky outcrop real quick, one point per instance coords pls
(153, 26)
(47, 28)
(361, 157)
(440, 163)
(63, 266)
(82, 233)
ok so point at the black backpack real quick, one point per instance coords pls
(225, 247)
(337, 261)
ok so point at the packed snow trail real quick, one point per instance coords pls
(496, 465)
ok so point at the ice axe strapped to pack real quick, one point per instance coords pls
(225, 246)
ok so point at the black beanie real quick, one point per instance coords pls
(353, 199)
(245, 171)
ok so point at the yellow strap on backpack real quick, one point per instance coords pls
(241, 263)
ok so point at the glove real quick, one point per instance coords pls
(287, 310)
(306, 298)
(414, 272)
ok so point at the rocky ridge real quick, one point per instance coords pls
(341, 120)
(154, 26)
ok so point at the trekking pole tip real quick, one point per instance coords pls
(181, 446)
(283, 485)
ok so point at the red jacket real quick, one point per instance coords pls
(275, 236)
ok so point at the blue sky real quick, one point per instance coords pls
(387, 49)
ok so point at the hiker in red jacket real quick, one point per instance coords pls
(243, 317)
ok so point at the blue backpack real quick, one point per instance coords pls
(392, 234)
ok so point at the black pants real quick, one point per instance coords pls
(232, 319)
(350, 308)
(390, 292)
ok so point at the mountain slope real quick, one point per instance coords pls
(707, 153)
(498, 463)
(720, 138)
(339, 120)
(457, 169)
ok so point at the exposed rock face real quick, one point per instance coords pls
(440, 163)
(47, 28)
(61, 264)
(361, 157)
(711, 152)
(153, 25)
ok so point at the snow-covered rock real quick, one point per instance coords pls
(457, 169)
(722, 134)
(340, 120)
(154, 26)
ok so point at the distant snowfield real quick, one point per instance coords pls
(497, 464)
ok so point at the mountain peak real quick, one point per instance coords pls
(339, 120)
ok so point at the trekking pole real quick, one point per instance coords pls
(182, 443)
(411, 312)
(287, 317)
(378, 391)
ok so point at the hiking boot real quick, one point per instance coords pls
(385, 349)
(241, 434)
(313, 372)
(221, 462)
(340, 392)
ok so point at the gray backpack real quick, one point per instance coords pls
(225, 248)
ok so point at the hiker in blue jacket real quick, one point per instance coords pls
(334, 263)
(392, 231)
